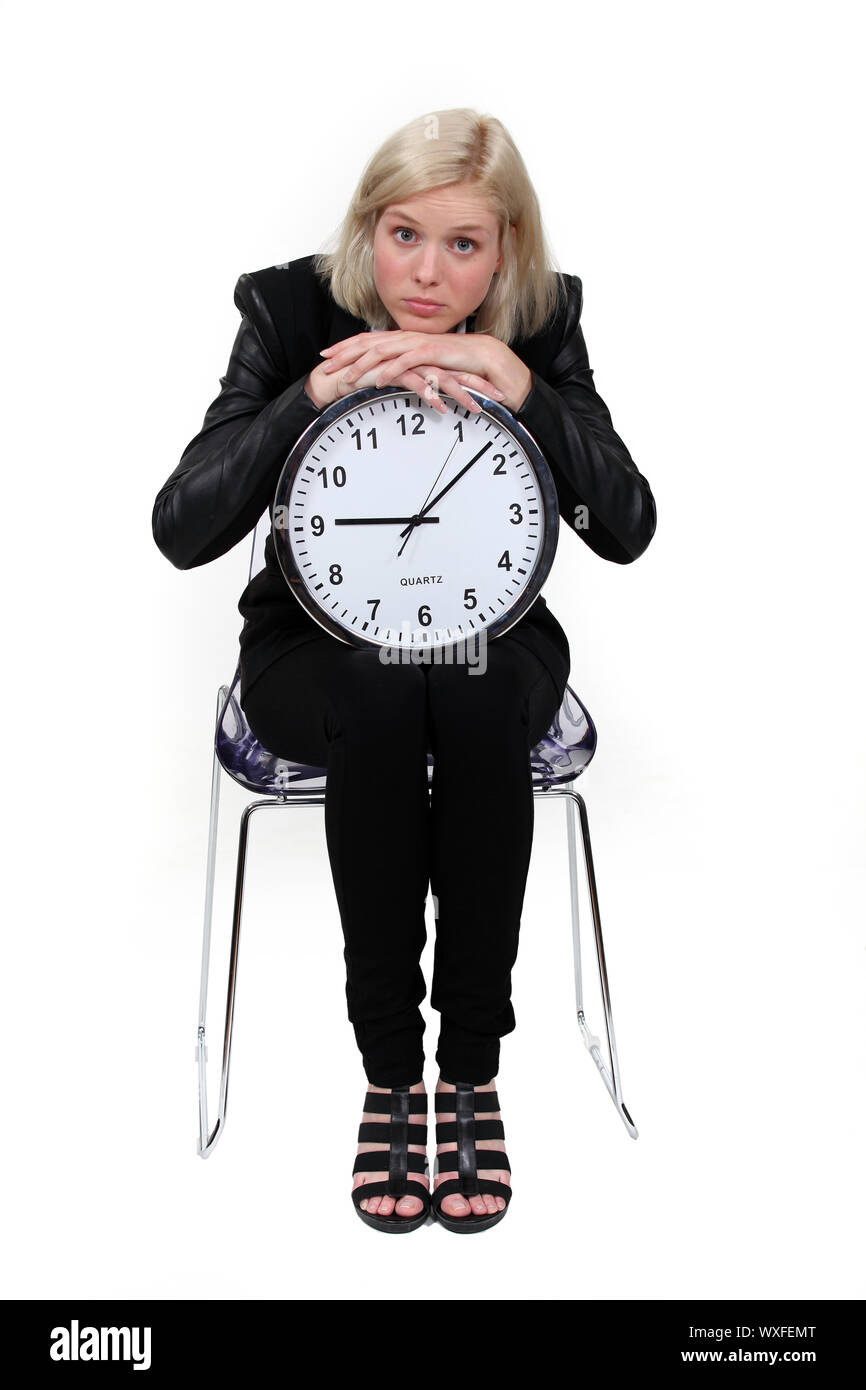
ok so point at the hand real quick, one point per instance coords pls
(323, 386)
(449, 362)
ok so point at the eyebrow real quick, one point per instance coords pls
(467, 227)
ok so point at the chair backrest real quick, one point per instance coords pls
(260, 535)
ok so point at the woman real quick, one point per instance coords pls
(441, 281)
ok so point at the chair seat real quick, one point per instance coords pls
(563, 753)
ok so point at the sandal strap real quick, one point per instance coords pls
(500, 1156)
(446, 1130)
(383, 1189)
(482, 1101)
(370, 1132)
(383, 1103)
(464, 1102)
(398, 1133)
(376, 1161)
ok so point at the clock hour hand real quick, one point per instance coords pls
(416, 520)
(376, 520)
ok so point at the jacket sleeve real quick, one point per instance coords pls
(590, 463)
(228, 473)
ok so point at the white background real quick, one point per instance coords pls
(699, 168)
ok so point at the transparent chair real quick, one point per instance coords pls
(560, 757)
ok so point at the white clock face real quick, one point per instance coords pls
(344, 513)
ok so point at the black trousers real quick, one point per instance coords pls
(469, 836)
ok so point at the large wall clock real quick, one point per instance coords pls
(399, 526)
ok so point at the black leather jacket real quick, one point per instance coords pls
(227, 474)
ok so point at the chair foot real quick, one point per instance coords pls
(608, 1067)
(593, 1047)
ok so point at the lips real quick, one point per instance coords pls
(425, 303)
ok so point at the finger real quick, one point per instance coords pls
(357, 340)
(406, 361)
(371, 335)
(357, 360)
(351, 350)
(480, 384)
(451, 386)
(426, 390)
(372, 347)
(383, 352)
(446, 383)
(347, 384)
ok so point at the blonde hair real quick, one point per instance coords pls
(439, 148)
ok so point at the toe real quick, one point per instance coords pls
(408, 1206)
(455, 1206)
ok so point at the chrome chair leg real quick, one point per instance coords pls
(201, 1045)
(610, 1072)
(206, 1142)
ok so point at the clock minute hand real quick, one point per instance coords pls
(447, 488)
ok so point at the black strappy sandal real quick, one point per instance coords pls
(399, 1134)
(465, 1102)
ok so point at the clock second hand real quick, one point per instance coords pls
(419, 517)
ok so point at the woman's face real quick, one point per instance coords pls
(441, 246)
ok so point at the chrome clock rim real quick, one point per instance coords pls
(344, 408)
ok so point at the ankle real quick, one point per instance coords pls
(443, 1085)
(417, 1088)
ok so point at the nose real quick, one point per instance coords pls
(427, 269)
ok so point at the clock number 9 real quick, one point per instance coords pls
(317, 525)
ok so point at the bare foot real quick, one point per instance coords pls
(385, 1205)
(484, 1203)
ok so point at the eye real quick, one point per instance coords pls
(399, 230)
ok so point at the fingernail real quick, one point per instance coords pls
(500, 394)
